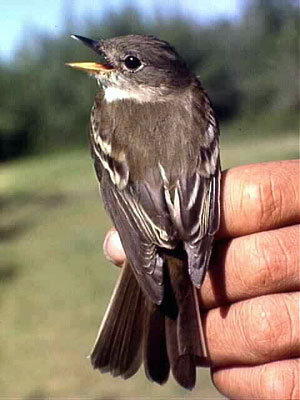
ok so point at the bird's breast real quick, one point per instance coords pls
(148, 135)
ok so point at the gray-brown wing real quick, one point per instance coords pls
(199, 211)
(138, 209)
(136, 220)
(194, 204)
(198, 194)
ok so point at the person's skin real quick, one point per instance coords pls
(251, 293)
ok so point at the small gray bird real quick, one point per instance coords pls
(155, 144)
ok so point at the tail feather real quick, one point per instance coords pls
(186, 346)
(124, 331)
(121, 330)
(166, 337)
(156, 362)
(184, 371)
(132, 340)
(116, 343)
(183, 366)
(190, 334)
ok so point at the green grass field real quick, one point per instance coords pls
(55, 282)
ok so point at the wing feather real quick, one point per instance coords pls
(157, 211)
(200, 217)
(138, 239)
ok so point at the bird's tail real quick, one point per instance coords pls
(164, 337)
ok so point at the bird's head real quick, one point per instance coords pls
(137, 67)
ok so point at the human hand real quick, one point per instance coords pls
(251, 296)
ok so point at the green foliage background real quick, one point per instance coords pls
(249, 68)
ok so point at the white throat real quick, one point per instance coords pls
(140, 94)
(112, 94)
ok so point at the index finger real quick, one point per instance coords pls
(259, 197)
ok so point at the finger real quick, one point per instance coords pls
(253, 265)
(113, 249)
(254, 331)
(276, 380)
(259, 197)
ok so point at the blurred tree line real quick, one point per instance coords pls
(249, 67)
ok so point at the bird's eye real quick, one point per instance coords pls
(132, 63)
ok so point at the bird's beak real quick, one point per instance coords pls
(91, 67)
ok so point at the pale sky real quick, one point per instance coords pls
(19, 16)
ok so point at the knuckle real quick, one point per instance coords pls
(251, 195)
(277, 381)
(271, 202)
(271, 261)
(294, 379)
(271, 327)
(264, 197)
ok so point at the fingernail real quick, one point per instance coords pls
(113, 249)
